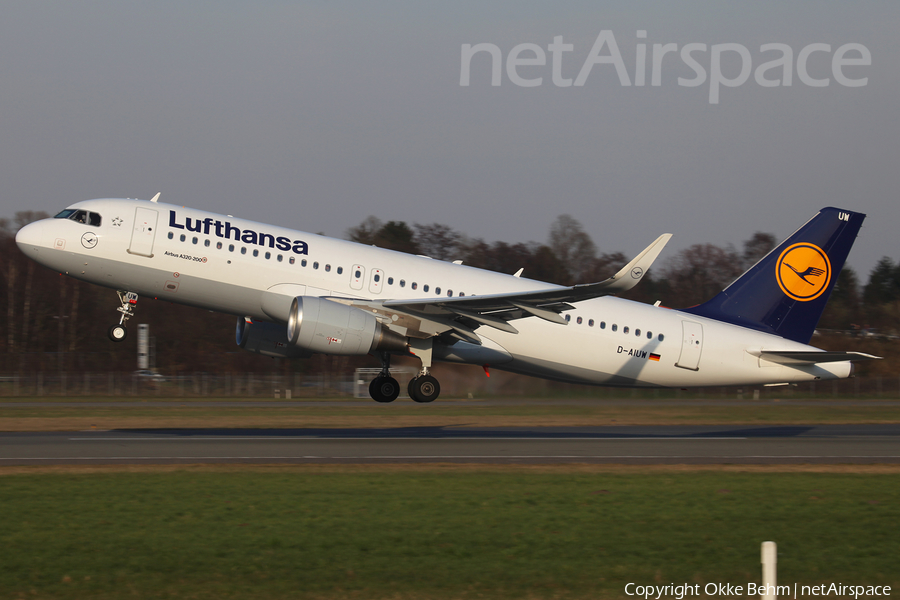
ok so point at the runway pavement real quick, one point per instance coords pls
(824, 444)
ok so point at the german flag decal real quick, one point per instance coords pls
(653, 357)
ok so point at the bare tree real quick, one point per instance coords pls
(364, 233)
(438, 241)
(756, 247)
(572, 246)
(698, 273)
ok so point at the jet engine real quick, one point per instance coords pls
(269, 339)
(319, 325)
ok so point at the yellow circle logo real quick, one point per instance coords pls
(803, 271)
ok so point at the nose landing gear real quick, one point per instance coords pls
(119, 332)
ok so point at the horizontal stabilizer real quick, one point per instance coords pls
(792, 357)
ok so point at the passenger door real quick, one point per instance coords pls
(144, 232)
(691, 345)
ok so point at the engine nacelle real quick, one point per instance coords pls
(266, 338)
(319, 325)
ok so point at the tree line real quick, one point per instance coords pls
(54, 322)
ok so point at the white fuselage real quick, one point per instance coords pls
(193, 257)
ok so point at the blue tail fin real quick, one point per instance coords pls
(786, 291)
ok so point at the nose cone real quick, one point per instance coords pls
(30, 237)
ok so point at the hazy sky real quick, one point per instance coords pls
(315, 115)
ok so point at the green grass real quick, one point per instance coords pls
(637, 412)
(434, 534)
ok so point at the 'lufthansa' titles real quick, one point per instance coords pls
(226, 230)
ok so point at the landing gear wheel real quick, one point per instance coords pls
(384, 389)
(424, 388)
(117, 333)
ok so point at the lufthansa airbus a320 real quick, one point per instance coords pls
(296, 293)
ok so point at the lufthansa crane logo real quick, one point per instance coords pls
(803, 271)
(89, 240)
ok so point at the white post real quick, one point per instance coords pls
(769, 553)
(143, 350)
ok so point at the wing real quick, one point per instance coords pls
(460, 316)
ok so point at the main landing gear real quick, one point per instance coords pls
(118, 332)
(422, 388)
(384, 388)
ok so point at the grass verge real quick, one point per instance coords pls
(409, 414)
(431, 532)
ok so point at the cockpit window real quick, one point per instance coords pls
(80, 216)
